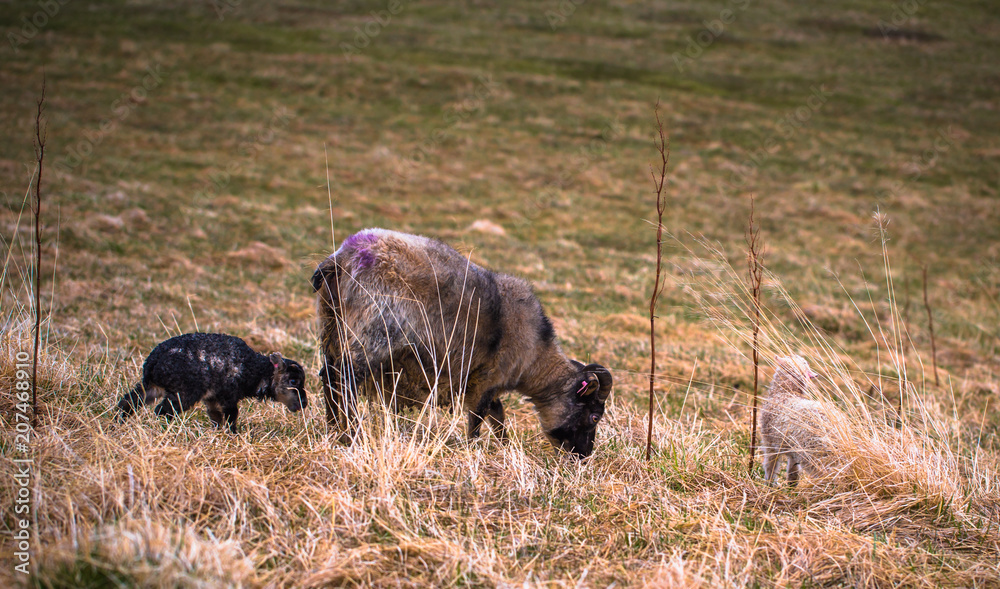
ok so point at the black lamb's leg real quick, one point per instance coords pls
(230, 414)
(215, 413)
(131, 401)
(170, 406)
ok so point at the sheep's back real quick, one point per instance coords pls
(808, 428)
(422, 287)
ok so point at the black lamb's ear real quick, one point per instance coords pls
(577, 363)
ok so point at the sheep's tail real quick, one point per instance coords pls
(132, 401)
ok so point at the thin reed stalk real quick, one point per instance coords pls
(755, 268)
(930, 324)
(36, 210)
(661, 204)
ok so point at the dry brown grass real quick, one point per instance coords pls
(414, 504)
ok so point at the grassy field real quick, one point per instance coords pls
(203, 157)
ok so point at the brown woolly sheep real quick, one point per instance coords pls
(792, 426)
(411, 317)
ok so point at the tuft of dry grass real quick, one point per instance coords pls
(881, 470)
(413, 503)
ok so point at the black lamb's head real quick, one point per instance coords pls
(582, 407)
(288, 382)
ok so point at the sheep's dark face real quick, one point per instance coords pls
(583, 408)
(288, 383)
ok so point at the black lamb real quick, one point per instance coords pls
(218, 370)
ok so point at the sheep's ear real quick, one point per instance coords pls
(589, 386)
(595, 379)
(588, 382)
(598, 381)
(276, 360)
(327, 274)
(318, 279)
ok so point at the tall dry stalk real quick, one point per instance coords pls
(661, 204)
(36, 209)
(930, 322)
(755, 272)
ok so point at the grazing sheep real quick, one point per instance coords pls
(412, 317)
(792, 426)
(218, 370)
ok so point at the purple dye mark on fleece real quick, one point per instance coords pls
(364, 258)
(360, 238)
(359, 243)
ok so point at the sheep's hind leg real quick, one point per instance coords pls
(171, 405)
(214, 413)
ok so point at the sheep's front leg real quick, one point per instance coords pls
(770, 464)
(230, 415)
(495, 418)
(214, 413)
(488, 409)
(793, 469)
(340, 398)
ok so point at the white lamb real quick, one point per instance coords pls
(794, 427)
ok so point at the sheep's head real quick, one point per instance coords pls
(793, 375)
(288, 382)
(578, 409)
